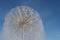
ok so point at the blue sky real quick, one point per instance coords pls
(49, 11)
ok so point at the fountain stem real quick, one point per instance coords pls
(23, 33)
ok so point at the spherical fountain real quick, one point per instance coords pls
(23, 23)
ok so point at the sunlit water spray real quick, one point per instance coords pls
(23, 23)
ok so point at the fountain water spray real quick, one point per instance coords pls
(23, 23)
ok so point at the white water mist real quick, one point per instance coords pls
(23, 23)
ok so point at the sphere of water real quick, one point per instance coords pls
(23, 23)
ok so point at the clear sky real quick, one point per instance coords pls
(49, 11)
